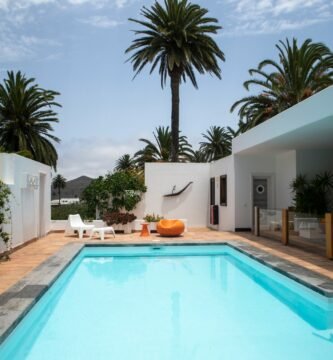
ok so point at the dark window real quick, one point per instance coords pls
(223, 190)
(212, 191)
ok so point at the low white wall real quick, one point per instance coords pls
(221, 167)
(62, 225)
(30, 208)
(192, 204)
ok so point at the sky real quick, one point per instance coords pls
(77, 47)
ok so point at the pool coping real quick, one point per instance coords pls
(18, 300)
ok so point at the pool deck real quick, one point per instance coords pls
(27, 258)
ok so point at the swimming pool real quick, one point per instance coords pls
(173, 302)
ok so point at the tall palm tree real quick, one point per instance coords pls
(26, 116)
(217, 143)
(299, 73)
(161, 149)
(125, 162)
(176, 38)
(59, 183)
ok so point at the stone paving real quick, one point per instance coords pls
(27, 258)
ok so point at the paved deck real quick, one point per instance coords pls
(29, 257)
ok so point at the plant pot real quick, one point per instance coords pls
(152, 226)
(127, 228)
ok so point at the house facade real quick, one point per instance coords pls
(264, 162)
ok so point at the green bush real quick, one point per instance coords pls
(313, 196)
(61, 212)
(115, 192)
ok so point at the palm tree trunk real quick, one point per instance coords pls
(175, 84)
(59, 194)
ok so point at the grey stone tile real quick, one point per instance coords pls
(31, 291)
(5, 297)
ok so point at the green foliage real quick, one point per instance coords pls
(313, 196)
(25, 153)
(161, 149)
(61, 212)
(117, 191)
(124, 163)
(300, 72)
(198, 156)
(125, 188)
(177, 38)
(26, 116)
(5, 217)
(217, 143)
(96, 195)
(58, 183)
(152, 218)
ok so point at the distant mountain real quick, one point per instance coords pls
(73, 189)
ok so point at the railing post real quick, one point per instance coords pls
(285, 227)
(256, 221)
(329, 235)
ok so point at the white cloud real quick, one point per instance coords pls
(248, 17)
(101, 22)
(92, 156)
(22, 4)
(16, 47)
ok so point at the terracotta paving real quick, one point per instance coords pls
(28, 257)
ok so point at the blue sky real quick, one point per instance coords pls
(77, 48)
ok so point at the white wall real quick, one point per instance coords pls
(285, 174)
(221, 167)
(30, 208)
(247, 166)
(192, 204)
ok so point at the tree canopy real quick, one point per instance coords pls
(26, 118)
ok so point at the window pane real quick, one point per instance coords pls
(223, 190)
(212, 191)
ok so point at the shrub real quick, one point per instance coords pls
(61, 212)
(115, 217)
(121, 190)
(5, 217)
(126, 189)
(313, 196)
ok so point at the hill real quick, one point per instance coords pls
(73, 189)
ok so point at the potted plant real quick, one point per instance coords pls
(152, 219)
(313, 196)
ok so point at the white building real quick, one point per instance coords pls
(263, 163)
(30, 183)
(65, 201)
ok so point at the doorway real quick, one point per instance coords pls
(260, 192)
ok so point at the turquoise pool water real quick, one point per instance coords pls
(177, 302)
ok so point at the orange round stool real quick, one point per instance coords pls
(170, 227)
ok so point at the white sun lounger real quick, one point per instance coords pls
(75, 223)
(101, 231)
